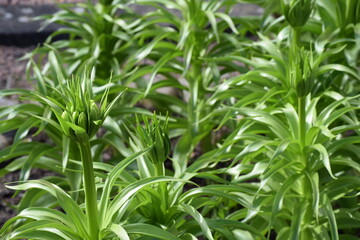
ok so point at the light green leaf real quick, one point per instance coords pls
(198, 218)
(331, 218)
(338, 67)
(324, 157)
(65, 151)
(149, 230)
(281, 193)
(110, 180)
(298, 215)
(228, 20)
(120, 232)
(127, 193)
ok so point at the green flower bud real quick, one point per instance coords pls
(162, 145)
(154, 134)
(94, 111)
(297, 12)
(65, 116)
(82, 121)
(72, 108)
(75, 116)
(158, 134)
(301, 73)
(106, 2)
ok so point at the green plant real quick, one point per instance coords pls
(288, 145)
(260, 138)
(78, 118)
(182, 47)
(98, 36)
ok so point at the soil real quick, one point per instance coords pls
(12, 75)
(12, 70)
(6, 203)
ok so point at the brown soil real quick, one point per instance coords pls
(7, 202)
(12, 75)
(12, 70)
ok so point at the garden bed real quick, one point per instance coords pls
(257, 139)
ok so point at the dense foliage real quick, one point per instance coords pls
(189, 122)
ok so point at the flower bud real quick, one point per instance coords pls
(154, 134)
(162, 145)
(75, 116)
(301, 73)
(94, 111)
(297, 12)
(106, 2)
(82, 121)
(65, 116)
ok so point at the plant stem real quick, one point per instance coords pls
(194, 92)
(90, 190)
(162, 188)
(159, 169)
(302, 120)
(306, 190)
(295, 42)
(193, 78)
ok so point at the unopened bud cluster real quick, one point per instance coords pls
(297, 12)
(155, 134)
(88, 119)
(301, 73)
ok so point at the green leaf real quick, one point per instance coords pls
(127, 193)
(198, 218)
(120, 232)
(212, 20)
(274, 123)
(228, 20)
(298, 215)
(252, 147)
(331, 218)
(338, 67)
(66, 202)
(324, 157)
(157, 67)
(34, 155)
(111, 105)
(65, 151)
(281, 193)
(149, 230)
(56, 63)
(24, 129)
(237, 225)
(110, 180)
(314, 181)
